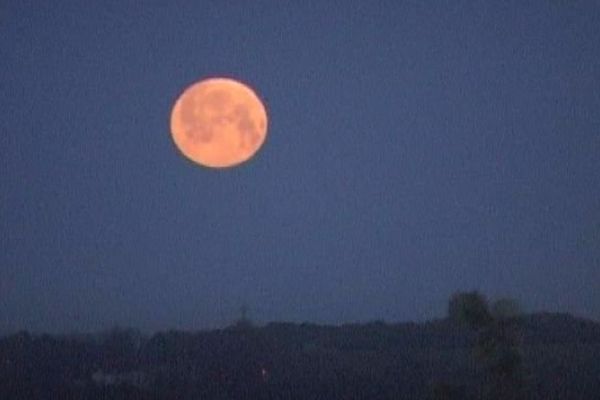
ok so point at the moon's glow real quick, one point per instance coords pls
(218, 122)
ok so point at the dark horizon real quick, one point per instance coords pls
(253, 323)
(480, 352)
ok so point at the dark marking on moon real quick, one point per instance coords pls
(199, 133)
(245, 124)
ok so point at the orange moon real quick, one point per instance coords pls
(218, 122)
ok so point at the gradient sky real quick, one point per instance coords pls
(415, 149)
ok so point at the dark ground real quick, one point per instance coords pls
(433, 360)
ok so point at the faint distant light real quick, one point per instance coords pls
(264, 374)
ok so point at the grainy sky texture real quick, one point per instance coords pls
(415, 148)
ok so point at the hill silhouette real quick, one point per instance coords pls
(377, 360)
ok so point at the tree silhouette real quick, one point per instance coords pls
(243, 322)
(470, 309)
(497, 342)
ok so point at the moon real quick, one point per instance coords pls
(218, 122)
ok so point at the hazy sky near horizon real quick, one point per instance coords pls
(415, 149)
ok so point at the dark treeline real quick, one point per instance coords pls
(479, 352)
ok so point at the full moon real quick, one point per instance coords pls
(218, 122)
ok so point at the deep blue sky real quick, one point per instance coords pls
(415, 149)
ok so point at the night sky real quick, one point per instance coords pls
(415, 149)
